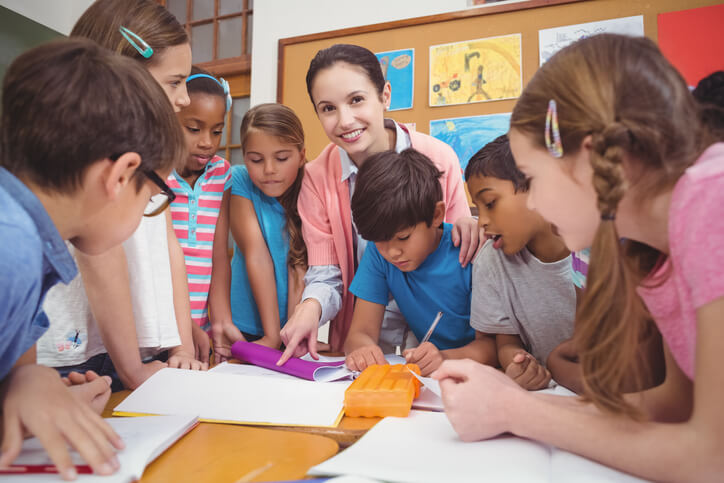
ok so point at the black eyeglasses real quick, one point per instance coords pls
(158, 202)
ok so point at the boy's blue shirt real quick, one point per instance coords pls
(438, 284)
(33, 258)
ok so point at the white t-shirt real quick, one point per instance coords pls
(521, 295)
(73, 336)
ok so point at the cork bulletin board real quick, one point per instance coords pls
(494, 21)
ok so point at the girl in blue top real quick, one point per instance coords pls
(270, 258)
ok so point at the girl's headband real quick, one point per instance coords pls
(221, 81)
(144, 49)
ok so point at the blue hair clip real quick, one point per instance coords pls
(221, 81)
(146, 51)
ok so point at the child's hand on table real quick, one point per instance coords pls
(477, 398)
(202, 344)
(359, 359)
(95, 394)
(180, 359)
(528, 372)
(426, 356)
(36, 401)
(223, 335)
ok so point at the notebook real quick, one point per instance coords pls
(324, 370)
(236, 398)
(425, 448)
(145, 439)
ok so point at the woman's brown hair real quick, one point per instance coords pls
(280, 121)
(147, 19)
(623, 93)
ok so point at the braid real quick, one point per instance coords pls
(607, 162)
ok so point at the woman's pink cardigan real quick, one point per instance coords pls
(325, 209)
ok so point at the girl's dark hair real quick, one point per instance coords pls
(710, 95)
(349, 54)
(204, 85)
(634, 104)
(280, 121)
(146, 18)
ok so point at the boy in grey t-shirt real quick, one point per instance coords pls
(522, 287)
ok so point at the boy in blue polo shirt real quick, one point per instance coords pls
(86, 139)
(398, 205)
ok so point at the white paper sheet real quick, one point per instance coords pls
(554, 39)
(239, 398)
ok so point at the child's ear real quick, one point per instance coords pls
(303, 154)
(387, 95)
(439, 215)
(119, 173)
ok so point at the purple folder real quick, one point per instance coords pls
(267, 358)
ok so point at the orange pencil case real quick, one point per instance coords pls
(382, 390)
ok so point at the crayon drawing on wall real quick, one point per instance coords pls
(554, 39)
(475, 71)
(398, 67)
(466, 135)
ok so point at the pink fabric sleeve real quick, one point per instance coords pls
(316, 228)
(456, 202)
(697, 232)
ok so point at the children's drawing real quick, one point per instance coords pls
(398, 67)
(475, 71)
(466, 135)
(554, 39)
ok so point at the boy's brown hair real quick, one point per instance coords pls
(70, 103)
(395, 191)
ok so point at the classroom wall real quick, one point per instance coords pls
(18, 34)
(59, 15)
(278, 19)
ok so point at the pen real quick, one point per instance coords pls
(432, 328)
(41, 469)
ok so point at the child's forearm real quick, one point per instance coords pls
(109, 298)
(356, 340)
(260, 269)
(220, 288)
(508, 346)
(481, 350)
(566, 372)
(180, 284)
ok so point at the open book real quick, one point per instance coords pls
(424, 448)
(236, 398)
(145, 439)
(326, 369)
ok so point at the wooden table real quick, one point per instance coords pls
(236, 453)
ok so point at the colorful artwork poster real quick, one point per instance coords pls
(554, 39)
(693, 40)
(398, 67)
(466, 135)
(475, 71)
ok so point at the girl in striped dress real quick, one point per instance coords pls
(200, 209)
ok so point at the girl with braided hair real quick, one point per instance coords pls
(613, 146)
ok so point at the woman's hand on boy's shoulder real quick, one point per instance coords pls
(37, 402)
(469, 237)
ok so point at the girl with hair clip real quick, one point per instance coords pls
(128, 315)
(270, 257)
(350, 96)
(612, 142)
(201, 207)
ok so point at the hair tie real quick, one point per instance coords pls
(221, 81)
(146, 51)
(555, 147)
(608, 216)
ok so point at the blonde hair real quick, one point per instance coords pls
(623, 93)
(281, 122)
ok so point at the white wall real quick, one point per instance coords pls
(278, 19)
(59, 15)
